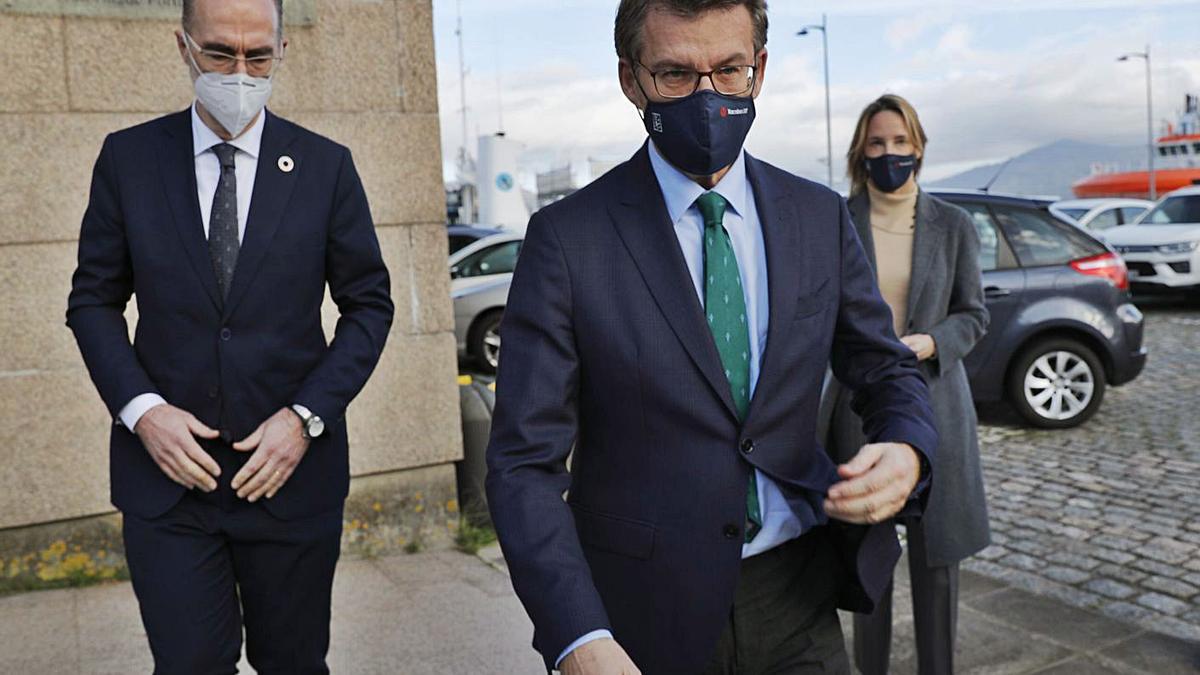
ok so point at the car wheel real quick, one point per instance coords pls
(483, 344)
(1057, 384)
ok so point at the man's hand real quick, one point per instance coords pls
(169, 435)
(599, 657)
(278, 446)
(876, 484)
(921, 344)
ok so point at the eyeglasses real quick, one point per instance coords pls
(211, 61)
(680, 83)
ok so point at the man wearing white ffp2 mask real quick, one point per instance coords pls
(229, 457)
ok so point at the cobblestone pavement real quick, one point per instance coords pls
(1107, 516)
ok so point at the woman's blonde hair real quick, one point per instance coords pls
(856, 159)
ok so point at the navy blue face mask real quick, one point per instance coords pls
(702, 133)
(890, 172)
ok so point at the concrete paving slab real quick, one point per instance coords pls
(111, 640)
(444, 612)
(1158, 654)
(1053, 620)
(986, 646)
(36, 629)
(1085, 665)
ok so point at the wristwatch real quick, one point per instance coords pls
(312, 425)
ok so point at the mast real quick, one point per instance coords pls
(463, 161)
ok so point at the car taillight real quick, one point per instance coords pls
(1106, 265)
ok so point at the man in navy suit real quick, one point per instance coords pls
(671, 324)
(229, 456)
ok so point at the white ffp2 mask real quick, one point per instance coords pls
(233, 99)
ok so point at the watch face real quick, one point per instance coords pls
(316, 426)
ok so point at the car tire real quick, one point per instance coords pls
(483, 341)
(1057, 383)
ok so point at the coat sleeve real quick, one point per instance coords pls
(100, 290)
(361, 288)
(967, 316)
(890, 394)
(533, 431)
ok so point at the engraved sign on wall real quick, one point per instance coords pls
(302, 12)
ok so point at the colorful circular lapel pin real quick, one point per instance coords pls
(286, 164)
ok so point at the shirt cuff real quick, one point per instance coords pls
(590, 637)
(140, 405)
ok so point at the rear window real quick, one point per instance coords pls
(1131, 213)
(1038, 239)
(1175, 210)
(460, 241)
(1075, 214)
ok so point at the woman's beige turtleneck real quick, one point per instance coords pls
(893, 223)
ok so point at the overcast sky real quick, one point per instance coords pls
(990, 79)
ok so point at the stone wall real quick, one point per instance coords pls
(363, 74)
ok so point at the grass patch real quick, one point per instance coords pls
(471, 538)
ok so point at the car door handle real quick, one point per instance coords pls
(996, 292)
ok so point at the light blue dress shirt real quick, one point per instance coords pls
(780, 523)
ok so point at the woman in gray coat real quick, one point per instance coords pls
(925, 253)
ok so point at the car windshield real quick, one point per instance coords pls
(1184, 209)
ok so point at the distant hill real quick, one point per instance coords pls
(1050, 169)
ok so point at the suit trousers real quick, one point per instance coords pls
(784, 618)
(935, 616)
(214, 563)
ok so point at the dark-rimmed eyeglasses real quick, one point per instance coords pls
(681, 82)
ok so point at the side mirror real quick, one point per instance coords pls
(455, 272)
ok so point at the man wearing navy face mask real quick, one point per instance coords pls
(672, 323)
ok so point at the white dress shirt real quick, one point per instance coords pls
(208, 174)
(779, 524)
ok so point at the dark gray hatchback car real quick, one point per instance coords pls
(1063, 325)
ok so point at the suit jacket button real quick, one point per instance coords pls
(214, 391)
(226, 436)
(226, 334)
(748, 446)
(731, 531)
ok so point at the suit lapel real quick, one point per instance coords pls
(927, 240)
(642, 222)
(272, 189)
(177, 162)
(790, 267)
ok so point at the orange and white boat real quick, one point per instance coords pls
(1177, 164)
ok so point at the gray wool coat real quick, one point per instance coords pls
(946, 302)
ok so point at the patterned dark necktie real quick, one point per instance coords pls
(725, 307)
(223, 242)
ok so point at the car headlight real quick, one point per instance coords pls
(1184, 247)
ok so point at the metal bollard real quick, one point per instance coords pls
(477, 402)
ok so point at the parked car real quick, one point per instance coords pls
(1063, 326)
(480, 274)
(462, 236)
(1098, 215)
(1162, 249)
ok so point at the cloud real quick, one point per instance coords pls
(905, 30)
(980, 99)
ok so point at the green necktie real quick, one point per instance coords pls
(725, 306)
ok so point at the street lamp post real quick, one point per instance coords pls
(1149, 116)
(824, 28)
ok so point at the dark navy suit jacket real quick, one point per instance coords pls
(607, 352)
(234, 362)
